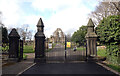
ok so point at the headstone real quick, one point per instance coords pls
(91, 38)
(14, 45)
(40, 43)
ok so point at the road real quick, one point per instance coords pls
(62, 66)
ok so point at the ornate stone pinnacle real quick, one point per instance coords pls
(90, 30)
(40, 23)
(90, 23)
(14, 33)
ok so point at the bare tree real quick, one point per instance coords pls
(105, 9)
(29, 35)
(21, 32)
(24, 32)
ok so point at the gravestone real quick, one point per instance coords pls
(14, 45)
(91, 38)
(40, 42)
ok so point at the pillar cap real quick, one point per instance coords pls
(90, 34)
(90, 23)
(14, 33)
(40, 23)
(39, 34)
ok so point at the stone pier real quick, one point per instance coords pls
(40, 42)
(14, 45)
(91, 38)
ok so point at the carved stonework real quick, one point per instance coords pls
(14, 45)
(91, 38)
(58, 36)
(40, 42)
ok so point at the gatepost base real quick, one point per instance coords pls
(13, 60)
(39, 60)
(91, 59)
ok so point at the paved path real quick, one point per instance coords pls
(57, 54)
(68, 68)
(16, 68)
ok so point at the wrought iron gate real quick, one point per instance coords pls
(60, 54)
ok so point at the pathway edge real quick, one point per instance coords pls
(25, 69)
(108, 68)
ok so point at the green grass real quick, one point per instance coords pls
(54, 44)
(28, 49)
(81, 48)
(115, 67)
(4, 49)
(101, 52)
(24, 56)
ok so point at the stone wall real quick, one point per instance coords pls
(58, 36)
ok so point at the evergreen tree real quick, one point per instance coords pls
(4, 35)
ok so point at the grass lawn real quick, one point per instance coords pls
(101, 52)
(28, 49)
(54, 44)
(81, 48)
(24, 56)
(115, 67)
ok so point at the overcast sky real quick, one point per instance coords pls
(68, 15)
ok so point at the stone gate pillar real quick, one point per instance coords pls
(21, 49)
(0, 39)
(14, 45)
(91, 38)
(40, 42)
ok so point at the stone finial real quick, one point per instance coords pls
(90, 30)
(14, 33)
(40, 25)
(90, 23)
